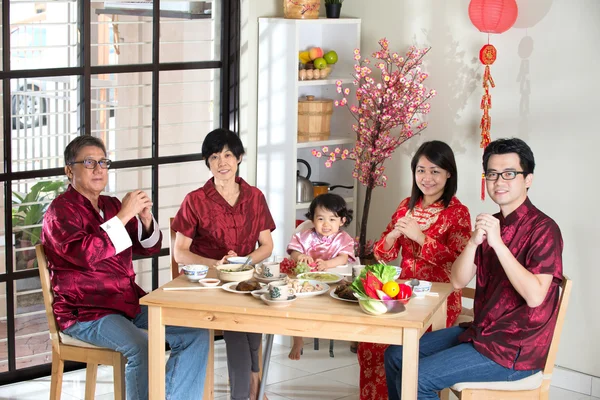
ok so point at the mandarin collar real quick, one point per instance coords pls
(324, 239)
(73, 193)
(436, 204)
(212, 193)
(517, 214)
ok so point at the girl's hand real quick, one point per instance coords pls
(411, 229)
(322, 265)
(305, 259)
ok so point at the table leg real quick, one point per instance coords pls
(440, 316)
(410, 363)
(156, 353)
(265, 370)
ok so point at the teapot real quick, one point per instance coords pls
(304, 188)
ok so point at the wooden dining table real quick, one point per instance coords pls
(316, 317)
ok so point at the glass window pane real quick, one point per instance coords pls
(121, 32)
(188, 110)
(193, 34)
(2, 232)
(122, 114)
(32, 342)
(123, 181)
(3, 330)
(175, 182)
(1, 116)
(43, 34)
(44, 120)
(31, 199)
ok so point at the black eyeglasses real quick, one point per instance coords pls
(506, 175)
(91, 164)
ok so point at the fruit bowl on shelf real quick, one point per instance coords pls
(316, 64)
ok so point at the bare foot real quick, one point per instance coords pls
(296, 351)
(254, 386)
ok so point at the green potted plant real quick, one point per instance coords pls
(333, 8)
(27, 216)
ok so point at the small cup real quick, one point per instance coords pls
(356, 270)
(398, 272)
(268, 270)
(279, 290)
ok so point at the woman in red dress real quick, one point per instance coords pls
(431, 229)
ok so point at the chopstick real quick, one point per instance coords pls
(192, 288)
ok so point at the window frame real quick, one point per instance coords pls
(228, 117)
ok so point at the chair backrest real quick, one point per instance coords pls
(172, 236)
(563, 302)
(48, 294)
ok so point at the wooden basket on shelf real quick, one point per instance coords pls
(314, 119)
(301, 9)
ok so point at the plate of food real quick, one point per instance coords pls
(322, 276)
(344, 292)
(244, 287)
(307, 288)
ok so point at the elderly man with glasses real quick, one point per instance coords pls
(516, 257)
(89, 240)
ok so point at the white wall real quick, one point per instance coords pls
(552, 108)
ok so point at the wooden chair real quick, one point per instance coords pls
(534, 387)
(67, 348)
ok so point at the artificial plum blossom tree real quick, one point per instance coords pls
(391, 100)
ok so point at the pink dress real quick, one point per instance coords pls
(312, 244)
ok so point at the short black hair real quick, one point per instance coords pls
(512, 145)
(72, 150)
(440, 154)
(217, 140)
(332, 202)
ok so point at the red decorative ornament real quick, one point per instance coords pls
(490, 16)
(493, 16)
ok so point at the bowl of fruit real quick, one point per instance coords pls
(378, 293)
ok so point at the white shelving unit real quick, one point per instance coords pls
(279, 90)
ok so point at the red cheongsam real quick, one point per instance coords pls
(447, 230)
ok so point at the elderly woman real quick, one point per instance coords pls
(225, 218)
(89, 240)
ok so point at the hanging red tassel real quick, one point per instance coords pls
(487, 56)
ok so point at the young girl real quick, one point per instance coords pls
(325, 246)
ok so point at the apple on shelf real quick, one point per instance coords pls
(314, 63)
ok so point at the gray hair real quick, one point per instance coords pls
(73, 148)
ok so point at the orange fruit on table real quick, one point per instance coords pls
(391, 288)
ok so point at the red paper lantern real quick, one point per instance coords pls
(493, 16)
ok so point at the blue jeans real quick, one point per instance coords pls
(443, 362)
(186, 368)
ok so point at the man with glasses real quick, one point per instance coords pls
(89, 240)
(516, 256)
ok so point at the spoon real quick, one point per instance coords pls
(414, 282)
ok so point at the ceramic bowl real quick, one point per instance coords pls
(234, 273)
(209, 282)
(421, 289)
(398, 272)
(237, 260)
(195, 272)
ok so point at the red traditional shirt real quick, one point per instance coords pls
(446, 230)
(505, 329)
(90, 269)
(216, 227)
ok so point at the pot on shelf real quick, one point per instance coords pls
(304, 187)
(324, 187)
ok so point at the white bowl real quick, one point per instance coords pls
(421, 289)
(195, 272)
(209, 282)
(237, 260)
(232, 273)
(398, 272)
